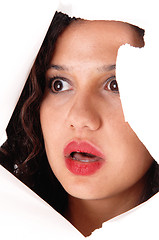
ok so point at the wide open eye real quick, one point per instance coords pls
(112, 85)
(58, 85)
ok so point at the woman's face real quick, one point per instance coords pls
(91, 149)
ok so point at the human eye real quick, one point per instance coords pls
(59, 84)
(112, 85)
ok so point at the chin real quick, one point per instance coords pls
(82, 189)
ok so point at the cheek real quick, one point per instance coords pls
(114, 125)
(130, 159)
(51, 117)
(51, 121)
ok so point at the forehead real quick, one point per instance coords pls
(85, 40)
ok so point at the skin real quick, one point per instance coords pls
(87, 109)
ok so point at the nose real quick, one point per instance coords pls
(83, 114)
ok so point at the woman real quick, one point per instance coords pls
(67, 138)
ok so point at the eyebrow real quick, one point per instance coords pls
(107, 68)
(104, 68)
(58, 67)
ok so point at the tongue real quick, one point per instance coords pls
(84, 157)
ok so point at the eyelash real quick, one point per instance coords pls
(113, 78)
(60, 78)
(51, 80)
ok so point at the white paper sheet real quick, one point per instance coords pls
(22, 214)
(139, 223)
(139, 84)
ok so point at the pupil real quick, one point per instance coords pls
(114, 86)
(58, 85)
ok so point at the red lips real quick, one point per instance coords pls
(82, 158)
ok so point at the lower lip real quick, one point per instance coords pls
(83, 169)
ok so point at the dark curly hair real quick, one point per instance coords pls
(23, 154)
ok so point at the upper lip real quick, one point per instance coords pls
(82, 147)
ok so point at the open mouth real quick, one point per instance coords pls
(84, 157)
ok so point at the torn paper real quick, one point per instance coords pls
(21, 211)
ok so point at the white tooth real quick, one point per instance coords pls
(77, 156)
(86, 161)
